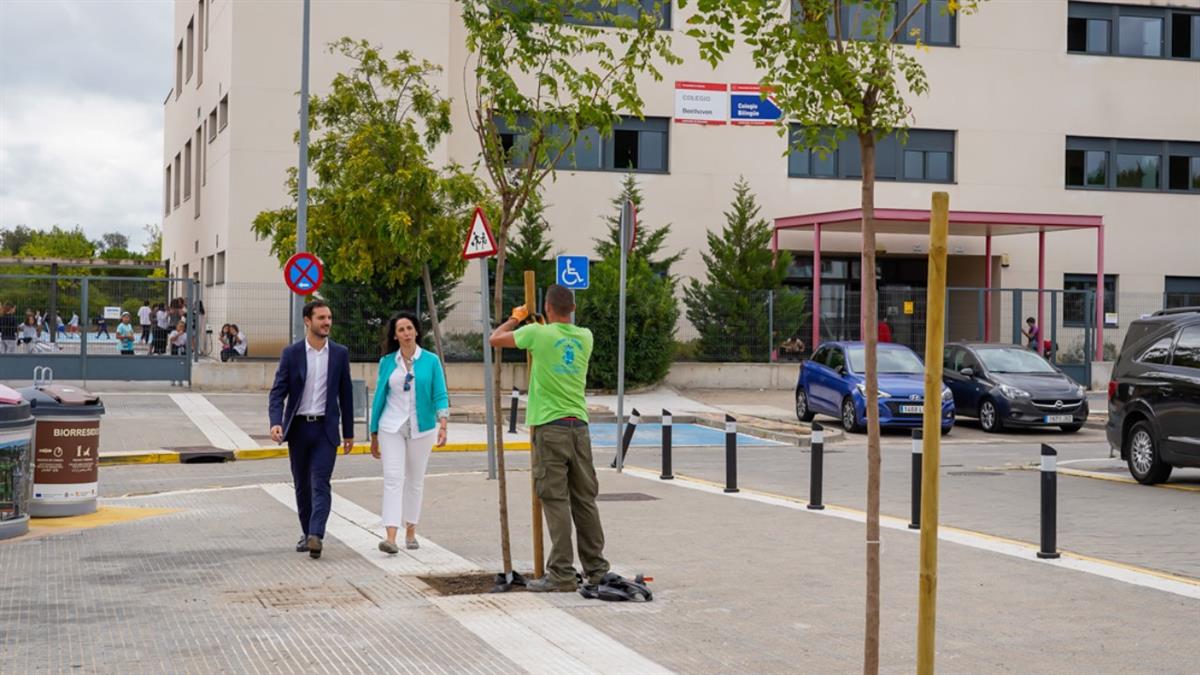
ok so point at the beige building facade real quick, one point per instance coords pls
(1035, 106)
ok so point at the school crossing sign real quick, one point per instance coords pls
(479, 243)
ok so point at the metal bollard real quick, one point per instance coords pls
(730, 454)
(666, 445)
(623, 451)
(1049, 503)
(816, 473)
(512, 412)
(915, 523)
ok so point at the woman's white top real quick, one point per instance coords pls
(239, 344)
(400, 411)
(28, 331)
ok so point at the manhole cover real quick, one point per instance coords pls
(625, 497)
(975, 473)
(303, 597)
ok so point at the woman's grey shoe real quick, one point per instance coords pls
(388, 547)
(412, 544)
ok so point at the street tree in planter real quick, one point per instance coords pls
(730, 307)
(831, 85)
(544, 71)
(380, 213)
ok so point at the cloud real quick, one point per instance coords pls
(81, 89)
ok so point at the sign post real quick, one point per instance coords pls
(628, 236)
(302, 174)
(480, 244)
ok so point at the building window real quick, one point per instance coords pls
(200, 45)
(212, 125)
(932, 24)
(178, 169)
(220, 275)
(635, 145)
(223, 112)
(1133, 30)
(203, 155)
(199, 170)
(925, 155)
(206, 24)
(595, 13)
(187, 171)
(208, 270)
(178, 70)
(167, 191)
(1076, 306)
(1181, 292)
(1136, 164)
(191, 47)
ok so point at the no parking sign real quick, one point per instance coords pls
(303, 273)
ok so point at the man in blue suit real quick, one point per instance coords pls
(311, 391)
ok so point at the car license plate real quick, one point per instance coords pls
(911, 409)
(1059, 419)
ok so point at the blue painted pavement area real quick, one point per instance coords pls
(605, 435)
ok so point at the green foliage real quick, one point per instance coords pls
(649, 241)
(14, 239)
(731, 308)
(651, 308)
(530, 247)
(58, 242)
(379, 209)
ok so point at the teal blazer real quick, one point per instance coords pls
(430, 382)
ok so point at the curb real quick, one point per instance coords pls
(169, 457)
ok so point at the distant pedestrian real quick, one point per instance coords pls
(1033, 334)
(29, 331)
(178, 339)
(411, 404)
(10, 325)
(563, 473)
(125, 335)
(102, 327)
(73, 326)
(226, 343)
(162, 325)
(311, 392)
(144, 320)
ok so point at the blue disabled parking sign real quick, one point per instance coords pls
(572, 272)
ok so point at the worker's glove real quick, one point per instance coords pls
(520, 314)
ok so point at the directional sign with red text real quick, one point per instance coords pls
(303, 273)
(479, 243)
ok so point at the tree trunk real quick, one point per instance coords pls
(870, 331)
(433, 312)
(498, 316)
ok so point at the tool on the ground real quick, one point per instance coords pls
(666, 445)
(615, 588)
(816, 471)
(623, 451)
(512, 411)
(915, 523)
(730, 454)
(506, 582)
(1049, 503)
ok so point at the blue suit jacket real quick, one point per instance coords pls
(289, 387)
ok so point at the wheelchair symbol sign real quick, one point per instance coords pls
(573, 272)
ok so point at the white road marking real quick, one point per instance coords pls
(219, 429)
(535, 635)
(1102, 568)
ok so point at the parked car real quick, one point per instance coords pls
(832, 383)
(1154, 395)
(1007, 386)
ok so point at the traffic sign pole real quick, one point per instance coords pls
(302, 174)
(628, 218)
(485, 324)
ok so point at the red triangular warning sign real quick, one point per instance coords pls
(479, 243)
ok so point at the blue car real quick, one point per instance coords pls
(831, 383)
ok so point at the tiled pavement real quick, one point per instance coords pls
(740, 587)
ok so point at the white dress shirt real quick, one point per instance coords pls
(312, 401)
(400, 411)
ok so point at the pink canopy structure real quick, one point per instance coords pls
(962, 223)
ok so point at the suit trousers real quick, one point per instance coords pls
(565, 480)
(312, 457)
(404, 463)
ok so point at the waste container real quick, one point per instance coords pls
(66, 450)
(16, 457)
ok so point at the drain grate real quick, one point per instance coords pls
(974, 473)
(625, 497)
(303, 597)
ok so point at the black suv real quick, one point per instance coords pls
(1154, 395)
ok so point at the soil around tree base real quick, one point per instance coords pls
(467, 584)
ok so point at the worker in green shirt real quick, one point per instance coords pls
(563, 474)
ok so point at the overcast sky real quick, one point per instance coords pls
(81, 89)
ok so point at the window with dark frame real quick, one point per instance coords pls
(200, 45)
(178, 169)
(167, 191)
(178, 70)
(931, 24)
(1181, 292)
(203, 154)
(635, 145)
(187, 171)
(199, 146)
(925, 155)
(593, 13)
(191, 47)
(1132, 164)
(1075, 309)
(212, 125)
(1138, 31)
(223, 112)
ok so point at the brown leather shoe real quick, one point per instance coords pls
(314, 546)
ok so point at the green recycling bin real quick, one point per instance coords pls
(66, 442)
(16, 460)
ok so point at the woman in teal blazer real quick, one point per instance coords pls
(410, 407)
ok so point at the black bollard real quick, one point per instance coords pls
(512, 412)
(623, 452)
(915, 523)
(1049, 503)
(816, 473)
(666, 445)
(730, 454)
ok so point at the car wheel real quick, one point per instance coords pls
(989, 417)
(1071, 428)
(946, 431)
(849, 416)
(1145, 464)
(803, 413)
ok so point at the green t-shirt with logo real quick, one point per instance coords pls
(560, 353)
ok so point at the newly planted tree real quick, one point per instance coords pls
(837, 69)
(540, 73)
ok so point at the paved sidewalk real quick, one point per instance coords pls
(741, 586)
